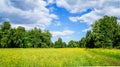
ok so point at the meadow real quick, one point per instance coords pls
(58, 57)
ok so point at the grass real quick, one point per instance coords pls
(60, 57)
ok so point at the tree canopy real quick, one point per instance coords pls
(105, 33)
(19, 37)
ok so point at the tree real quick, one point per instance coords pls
(116, 38)
(64, 45)
(20, 38)
(82, 42)
(33, 38)
(5, 34)
(72, 44)
(106, 28)
(90, 41)
(59, 43)
(6, 26)
(0, 36)
(46, 38)
(105, 33)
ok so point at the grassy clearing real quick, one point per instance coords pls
(50, 57)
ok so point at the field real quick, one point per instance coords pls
(59, 57)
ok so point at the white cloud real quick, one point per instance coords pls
(100, 8)
(91, 17)
(62, 33)
(51, 1)
(27, 27)
(77, 5)
(81, 5)
(33, 10)
(74, 19)
(88, 29)
(88, 18)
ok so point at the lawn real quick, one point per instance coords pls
(58, 57)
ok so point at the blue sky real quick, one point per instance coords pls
(68, 19)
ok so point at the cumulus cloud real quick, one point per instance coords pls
(83, 5)
(62, 33)
(76, 6)
(28, 13)
(99, 9)
(50, 1)
(91, 17)
(74, 19)
(88, 18)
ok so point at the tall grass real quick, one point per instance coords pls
(114, 53)
(50, 57)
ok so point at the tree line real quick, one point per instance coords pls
(105, 33)
(21, 38)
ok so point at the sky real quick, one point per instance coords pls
(68, 19)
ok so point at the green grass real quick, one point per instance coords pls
(61, 57)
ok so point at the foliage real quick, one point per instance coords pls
(59, 43)
(72, 44)
(105, 34)
(21, 38)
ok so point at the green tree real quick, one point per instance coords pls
(46, 38)
(105, 34)
(82, 42)
(64, 45)
(18, 37)
(73, 44)
(5, 34)
(116, 38)
(105, 28)
(90, 40)
(33, 38)
(59, 43)
(6, 26)
(0, 35)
